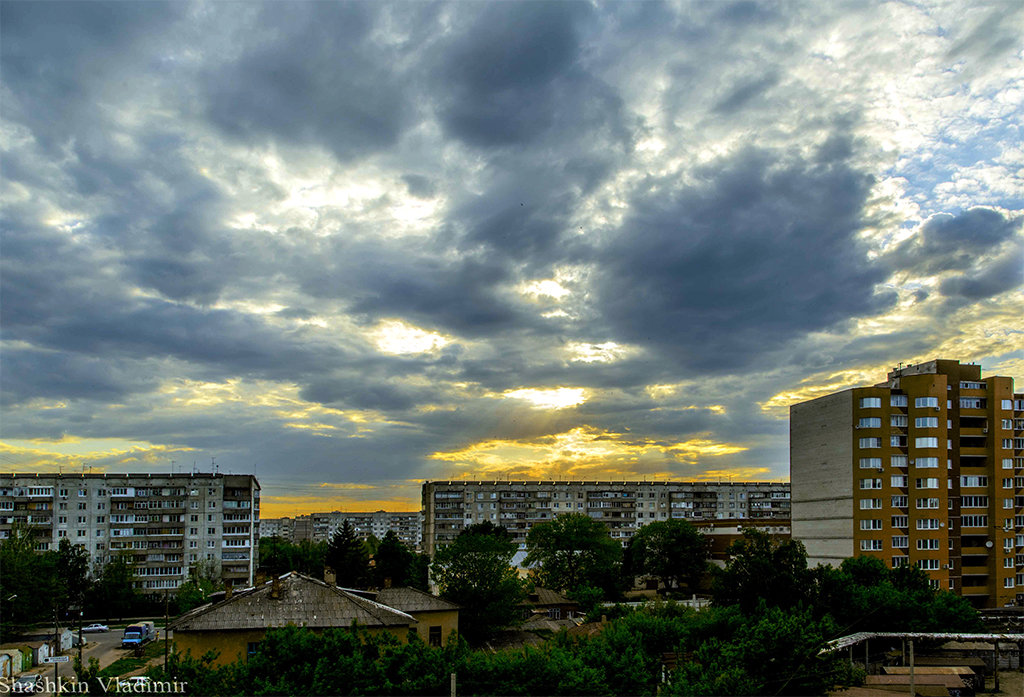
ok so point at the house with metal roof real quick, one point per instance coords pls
(436, 619)
(234, 626)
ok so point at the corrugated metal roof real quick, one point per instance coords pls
(412, 600)
(854, 639)
(302, 601)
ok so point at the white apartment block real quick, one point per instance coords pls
(320, 527)
(451, 506)
(167, 522)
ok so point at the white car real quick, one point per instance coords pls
(28, 684)
(96, 628)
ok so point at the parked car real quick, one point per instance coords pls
(96, 628)
(27, 684)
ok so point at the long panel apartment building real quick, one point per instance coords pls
(925, 468)
(166, 522)
(451, 506)
(320, 527)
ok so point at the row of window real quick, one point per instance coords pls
(899, 421)
(901, 441)
(900, 400)
(899, 461)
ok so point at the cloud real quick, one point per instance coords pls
(758, 250)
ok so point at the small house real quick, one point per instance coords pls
(235, 626)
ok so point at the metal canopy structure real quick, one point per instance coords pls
(854, 639)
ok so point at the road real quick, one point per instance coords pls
(105, 647)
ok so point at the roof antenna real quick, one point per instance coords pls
(213, 461)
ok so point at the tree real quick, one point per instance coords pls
(347, 556)
(114, 593)
(475, 571)
(763, 567)
(573, 550)
(202, 581)
(393, 562)
(672, 550)
(72, 567)
(27, 582)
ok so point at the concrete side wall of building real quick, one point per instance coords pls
(446, 620)
(233, 645)
(821, 451)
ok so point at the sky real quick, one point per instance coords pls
(350, 247)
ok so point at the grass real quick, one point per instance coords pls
(154, 649)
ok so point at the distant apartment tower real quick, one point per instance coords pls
(450, 506)
(923, 469)
(166, 522)
(320, 527)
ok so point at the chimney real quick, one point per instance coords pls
(227, 593)
(275, 588)
(387, 582)
(330, 578)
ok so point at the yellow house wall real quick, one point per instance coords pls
(233, 645)
(447, 619)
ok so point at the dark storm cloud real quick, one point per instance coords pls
(33, 374)
(56, 55)
(738, 96)
(512, 70)
(953, 242)
(760, 250)
(321, 77)
(1002, 274)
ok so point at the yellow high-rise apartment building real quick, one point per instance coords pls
(926, 468)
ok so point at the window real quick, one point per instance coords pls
(870, 545)
(899, 561)
(870, 504)
(971, 385)
(974, 521)
(927, 544)
(870, 422)
(926, 422)
(1006, 424)
(926, 442)
(871, 524)
(1007, 443)
(1007, 504)
(898, 461)
(898, 441)
(251, 648)
(927, 503)
(434, 635)
(1008, 483)
(921, 402)
(1008, 582)
(870, 483)
(973, 480)
(898, 400)
(900, 542)
(926, 483)
(899, 521)
(871, 463)
(928, 564)
(870, 402)
(900, 501)
(928, 524)
(898, 480)
(1006, 404)
(871, 442)
(926, 463)
(898, 421)
(1007, 463)
(1008, 563)
(972, 403)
